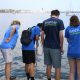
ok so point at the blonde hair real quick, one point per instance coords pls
(15, 22)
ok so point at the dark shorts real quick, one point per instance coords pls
(73, 58)
(28, 56)
(52, 57)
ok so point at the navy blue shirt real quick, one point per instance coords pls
(51, 28)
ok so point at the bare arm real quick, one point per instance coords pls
(61, 39)
(42, 37)
(36, 41)
(37, 37)
(11, 34)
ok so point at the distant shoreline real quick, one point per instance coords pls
(31, 11)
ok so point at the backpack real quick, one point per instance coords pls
(26, 37)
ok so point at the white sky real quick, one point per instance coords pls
(62, 5)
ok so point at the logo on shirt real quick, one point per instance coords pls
(51, 23)
(74, 31)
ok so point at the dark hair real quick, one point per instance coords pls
(40, 25)
(74, 21)
(55, 12)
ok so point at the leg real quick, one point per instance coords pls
(29, 59)
(32, 64)
(48, 72)
(25, 56)
(27, 70)
(57, 73)
(56, 61)
(7, 70)
(72, 69)
(78, 69)
(48, 62)
(32, 69)
(7, 54)
(76, 75)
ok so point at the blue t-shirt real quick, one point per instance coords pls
(51, 28)
(31, 46)
(12, 43)
(73, 34)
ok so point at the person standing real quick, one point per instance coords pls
(28, 53)
(8, 44)
(72, 33)
(53, 43)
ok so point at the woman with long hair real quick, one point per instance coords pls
(72, 33)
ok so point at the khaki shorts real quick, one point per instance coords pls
(7, 55)
(52, 57)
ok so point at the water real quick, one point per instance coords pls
(28, 20)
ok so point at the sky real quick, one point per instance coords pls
(62, 5)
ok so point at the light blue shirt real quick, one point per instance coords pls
(12, 42)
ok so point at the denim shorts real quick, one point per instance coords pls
(52, 57)
(74, 58)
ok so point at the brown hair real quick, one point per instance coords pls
(15, 22)
(74, 21)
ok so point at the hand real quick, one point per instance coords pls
(62, 51)
(36, 46)
(8, 39)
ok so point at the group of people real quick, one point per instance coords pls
(52, 28)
